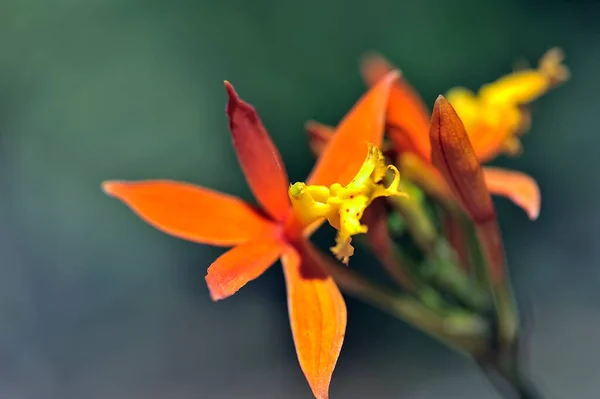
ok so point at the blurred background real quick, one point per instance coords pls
(94, 303)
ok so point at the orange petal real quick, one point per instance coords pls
(232, 270)
(407, 114)
(518, 187)
(346, 151)
(317, 316)
(190, 212)
(453, 155)
(488, 141)
(319, 136)
(259, 158)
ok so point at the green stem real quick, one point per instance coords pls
(396, 267)
(476, 256)
(442, 261)
(418, 222)
(505, 307)
(507, 377)
(465, 332)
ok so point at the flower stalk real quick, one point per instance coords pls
(465, 332)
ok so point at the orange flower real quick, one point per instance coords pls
(455, 158)
(494, 118)
(453, 155)
(259, 238)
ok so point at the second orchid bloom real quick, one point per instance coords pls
(494, 118)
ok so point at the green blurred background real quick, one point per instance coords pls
(96, 304)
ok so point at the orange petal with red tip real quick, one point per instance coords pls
(190, 212)
(518, 187)
(453, 155)
(346, 151)
(232, 270)
(407, 115)
(317, 316)
(259, 158)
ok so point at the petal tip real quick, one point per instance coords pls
(393, 75)
(533, 214)
(441, 101)
(111, 187)
(373, 58)
(442, 109)
(233, 99)
(231, 93)
(374, 66)
(321, 394)
(317, 130)
(533, 211)
(310, 125)
(214, 289)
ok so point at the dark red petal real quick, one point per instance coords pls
(259, 158)
(453, 155)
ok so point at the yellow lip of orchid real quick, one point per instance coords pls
(495, 116)
(343, 206)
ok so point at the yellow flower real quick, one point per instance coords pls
(344, 206)
(495, 116)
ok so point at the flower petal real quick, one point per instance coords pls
(319, 136)
(346, 151)
(317, 316)
(407, 115)
(518, 187)
(453, 155)
(190, 212)
(259, 158)
(488, 141)
(241, 264)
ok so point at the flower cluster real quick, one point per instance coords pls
(453, 287)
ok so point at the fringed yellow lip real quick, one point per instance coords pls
(496, 116)
(343, 206)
